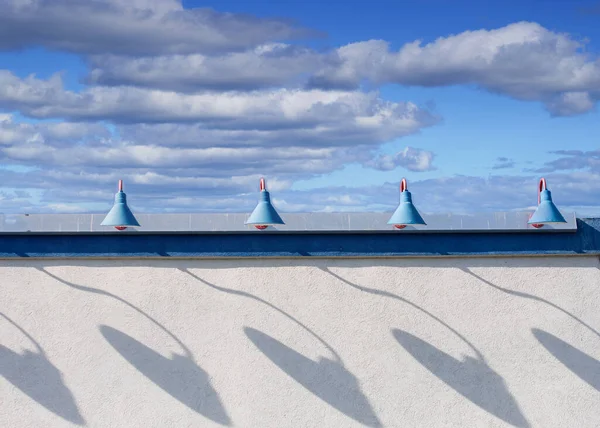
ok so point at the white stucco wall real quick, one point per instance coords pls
(490, 342)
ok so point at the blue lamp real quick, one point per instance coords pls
(264, 214)
(120, 216)
(406, 213)
(546, 211)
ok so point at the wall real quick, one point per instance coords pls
(468, 342)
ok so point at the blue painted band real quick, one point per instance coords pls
(585, 241)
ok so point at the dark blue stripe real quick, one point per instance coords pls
(586, 240)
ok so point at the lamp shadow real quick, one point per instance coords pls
(532, 297)
(585, 367)
(157, 368)
(390, 295)
(329, 380)
(34, 375)
(472, 378)
(179, 375)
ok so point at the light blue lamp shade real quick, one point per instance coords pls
(264, 214)
(406, 213)
(120, 216)
(546, 211)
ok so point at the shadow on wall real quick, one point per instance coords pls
(38, 378)
(472, 378)
(175, 376)
(584, 366)
(532, 297)
(327, 379)
(178, 376)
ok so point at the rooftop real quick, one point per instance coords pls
(295, 222)
(304, 235)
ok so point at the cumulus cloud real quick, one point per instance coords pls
(270, 109)
(178, 159)
(572, 103)
(265, 66)
(37, 145)
(350, 134)
(211, 162)
(291, 133)
(140, 27)
(522, 60)
(61, 133)
(412, 159)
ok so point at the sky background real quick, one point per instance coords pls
(191, 102)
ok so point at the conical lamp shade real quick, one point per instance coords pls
(120, 215)
(264, 213)
(406, 213)
(546, 211)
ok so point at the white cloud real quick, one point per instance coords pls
(16, 133)
(571, 103)
(288, 133)
(140, 27)
(265, 66)
(269, 109)
(79, 159)
(118, 155)
(412, 159)
(522, 60)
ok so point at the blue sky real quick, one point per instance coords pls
(333, 103)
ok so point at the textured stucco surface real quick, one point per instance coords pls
(465, 342)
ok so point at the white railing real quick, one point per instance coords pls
(501, 221)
